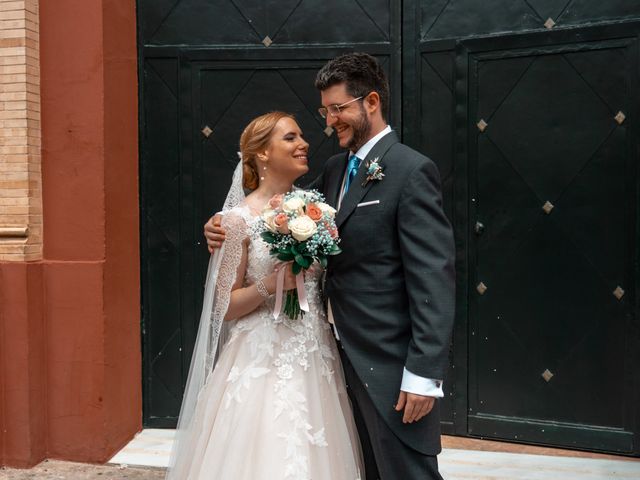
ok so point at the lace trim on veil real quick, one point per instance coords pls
(212, 330)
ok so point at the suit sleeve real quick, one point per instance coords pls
(428, 258)
(317, 183)
(320, 182)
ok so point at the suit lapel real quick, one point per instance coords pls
(356, 190)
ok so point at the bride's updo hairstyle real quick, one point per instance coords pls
(255, 139)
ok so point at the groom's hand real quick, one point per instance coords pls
(415, 406)
(214, 233)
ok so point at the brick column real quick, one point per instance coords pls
(70, 359)
(20, 172)
(22, 347)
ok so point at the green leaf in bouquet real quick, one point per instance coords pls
(302, 261)
(296, 268)
(285, 257)
(335, 250)
(268, 237)
(323, 261)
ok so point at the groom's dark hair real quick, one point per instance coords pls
(361, 73)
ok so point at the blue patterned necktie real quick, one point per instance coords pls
(352, 169)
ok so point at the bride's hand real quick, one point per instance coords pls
(271, 281)
(289, 277)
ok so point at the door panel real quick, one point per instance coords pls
(160, 237)
(548, 79)
(552, 184)
(210, 64)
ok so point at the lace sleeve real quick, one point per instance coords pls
(230, 257)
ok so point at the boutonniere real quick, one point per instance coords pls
(374, 171)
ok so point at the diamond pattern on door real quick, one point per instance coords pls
(454, 18)
(464, 18)
(160, 173)
(231, 98)
(551, 189)
(579, 11)
(549, 96)
(225, 22)
(436, 121)
(264, 18)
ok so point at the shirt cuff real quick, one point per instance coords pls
(413, 383)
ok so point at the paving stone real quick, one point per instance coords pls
(57, 470)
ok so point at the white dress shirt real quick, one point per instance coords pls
(411, 382)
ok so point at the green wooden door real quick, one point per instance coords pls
(546, 353)
(552, 172)
(206, 68)
(518, 101)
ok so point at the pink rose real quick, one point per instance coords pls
(314, 212)
(276, 201)
(282, 223)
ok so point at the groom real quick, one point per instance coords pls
(391, 291)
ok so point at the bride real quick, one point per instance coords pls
(265, 397)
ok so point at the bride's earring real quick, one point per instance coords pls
(264, 167)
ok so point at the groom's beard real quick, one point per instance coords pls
(361, 131)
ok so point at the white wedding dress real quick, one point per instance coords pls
(275, 406)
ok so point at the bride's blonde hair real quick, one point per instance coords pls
(255, 139)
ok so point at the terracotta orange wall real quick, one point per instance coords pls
(22, 365)
(122, 305)
(82, 347)
(72, 91)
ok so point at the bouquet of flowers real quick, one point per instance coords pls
(300, 228)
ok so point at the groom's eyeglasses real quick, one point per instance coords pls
(334, 110)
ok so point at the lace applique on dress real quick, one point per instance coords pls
(276, 394)
(286, 347)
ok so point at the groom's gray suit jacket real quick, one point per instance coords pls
(392, 288)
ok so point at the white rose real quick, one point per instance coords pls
(269, 217)
(293, 205)
(327, 209)
(302, 228)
